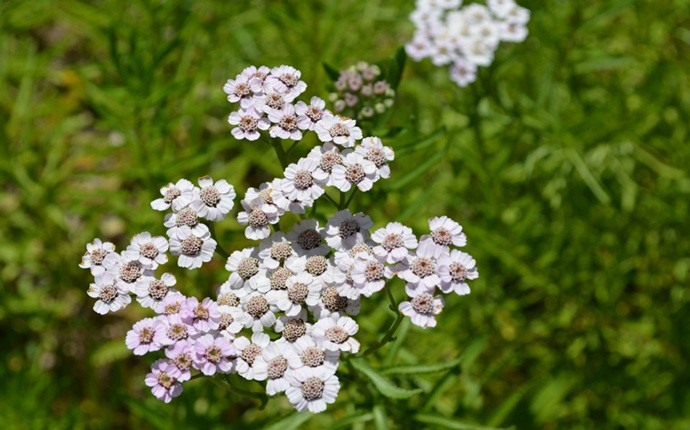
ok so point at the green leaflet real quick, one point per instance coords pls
(382, 384)
(290, 422)
(421, 368)
(353, 419)
(380, 418)
(396, 67)
(331, 71)
(449, 423)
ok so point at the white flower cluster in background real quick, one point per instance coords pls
(361, 92)
(284, 312)
(464, 38)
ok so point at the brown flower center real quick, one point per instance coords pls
(312, 389)
(309, 239)
(210, 196)
(191, 246)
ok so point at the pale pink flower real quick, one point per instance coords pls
(182, 355)
(164, 380)
(248, 123)
(286, 79)
(309, 114)
(214, 354)
(145, 336)
(203, 316)
(112, 295)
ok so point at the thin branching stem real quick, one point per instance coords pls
(330, 199)
(219, 248)
(349, 200)
(280, 152)
(388, 337)
(225, 382)
(291, 147)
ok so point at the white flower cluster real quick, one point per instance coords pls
(266, 99)
(341, 162)
(464, 37)
(360, 91)
(284, 313)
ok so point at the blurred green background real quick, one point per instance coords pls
(566, 163)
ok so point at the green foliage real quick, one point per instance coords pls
(383, 385)
(566, 163)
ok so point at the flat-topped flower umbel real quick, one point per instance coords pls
(283, 311)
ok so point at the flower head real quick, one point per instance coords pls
(455, 269)
(145, 336)
(96, 252)
(310, 114)
(422, 308)
(149, 251)
(111, 294)
(312, 389)
(339, 130)
(394, 242)
(345, 230)
(151, 291)
(176, 195)
(213, 201)
(248, 123)
(164, 380)
(214, 354)
(193, 249)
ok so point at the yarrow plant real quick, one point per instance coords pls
(362, 92)
(467, 37)
(285, 313)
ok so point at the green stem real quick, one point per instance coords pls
(262, 397)
(280, 152)
(291, 147)
(330, 199)
(388, 337)
(341, 202)
(197, 376)
(219, 248)
(349, 200)
(312, 212)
